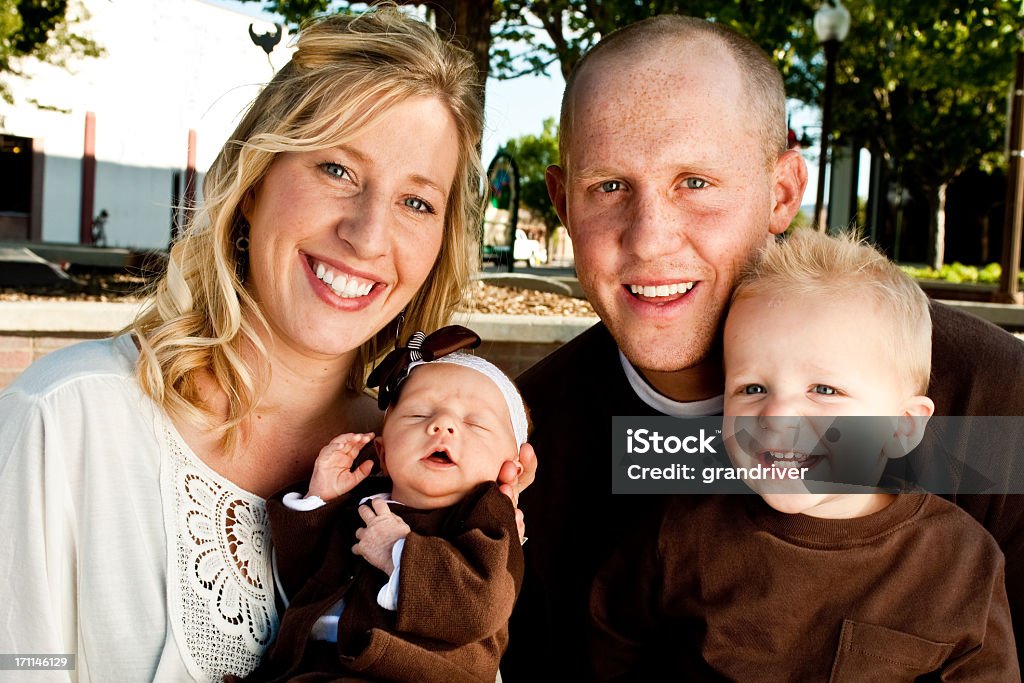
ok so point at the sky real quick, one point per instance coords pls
(519, 106)
(513, 108)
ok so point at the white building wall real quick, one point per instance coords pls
(62, 182)
(138, 201)
(170, 65)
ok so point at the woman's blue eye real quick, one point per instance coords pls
(333, 169)
(824, 390)
(610, 186)
(754, 389)
(417, 204)
(695, 183)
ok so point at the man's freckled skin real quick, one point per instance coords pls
(673, 193)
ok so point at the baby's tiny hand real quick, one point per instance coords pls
(383, 528)
(333, 475)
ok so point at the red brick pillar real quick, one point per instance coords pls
(88, 179)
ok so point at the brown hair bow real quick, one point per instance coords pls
(393, 370)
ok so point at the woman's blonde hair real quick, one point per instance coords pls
(810, 262)
(346, 73)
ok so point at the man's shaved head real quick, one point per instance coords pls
(761, 79)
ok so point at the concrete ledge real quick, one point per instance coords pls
(94, 317)
(541, 329)
(573, 284)
(73, 317)
(31, 329)
(566, 285)
(1008, 316)
(957, 291)
(526, 281)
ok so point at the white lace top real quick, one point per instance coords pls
(119, 544)
(219, 577)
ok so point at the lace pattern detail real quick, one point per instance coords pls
(220, 580)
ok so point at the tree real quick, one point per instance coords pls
(924, 87)
(509, 38)
(533, 154)
(921, 85)
(549, 31)
(468, 22)
(38, 29)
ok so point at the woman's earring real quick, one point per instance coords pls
(242, 252)
(398, 327)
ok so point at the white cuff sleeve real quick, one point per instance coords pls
(387, 597)
(295, 501)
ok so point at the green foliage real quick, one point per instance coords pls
(468, 23)
(957, 272)
(10, 26)
(530, 36)
(294, 12)
(800, 221)
(39, 29)
(548, 31)
(533, 154)
(923, 85)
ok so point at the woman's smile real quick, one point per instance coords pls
(342, 238)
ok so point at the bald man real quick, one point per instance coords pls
(674, 170)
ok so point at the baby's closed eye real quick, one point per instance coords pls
(477, 422)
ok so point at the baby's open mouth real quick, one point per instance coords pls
(440, 458)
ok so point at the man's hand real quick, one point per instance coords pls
(383, 528)
(333, 475)
(514, 477)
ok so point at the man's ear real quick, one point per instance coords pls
(554, 177)
(379, 446)
(910, 426)
(788, 182)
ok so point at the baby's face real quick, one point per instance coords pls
(797, 366)
(449, 431)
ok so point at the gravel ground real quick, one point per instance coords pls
(82, 287)
(483, 298)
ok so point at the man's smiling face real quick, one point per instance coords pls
(667, 195)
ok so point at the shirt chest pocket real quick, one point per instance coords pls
(869, 653)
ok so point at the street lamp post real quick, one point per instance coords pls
(831, 24)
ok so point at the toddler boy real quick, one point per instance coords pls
(810, 581)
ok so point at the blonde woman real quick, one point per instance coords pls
(133, 471)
